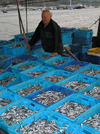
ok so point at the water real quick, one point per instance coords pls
(9, 24)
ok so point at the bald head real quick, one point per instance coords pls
(46, 17)
(48, 12)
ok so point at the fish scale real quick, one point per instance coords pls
(41, 126)
(37, 73)
(17, 60)
(24, 67)
(55, 78)
(45, 56)
(92, 72)
(95, 92)
(93, 121)
(17, 45)
(2, 69)
(7, 80)
(16, 114)
(4, 102)
(73, 67)
(76, 85)
(72, 109)
(49, 97)
(3, 58)
(29, 90)
(59, 62)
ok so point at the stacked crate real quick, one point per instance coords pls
(23, 92)
(82, 41)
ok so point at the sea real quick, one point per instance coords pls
(78, 18)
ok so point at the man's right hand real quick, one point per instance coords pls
(27, 46)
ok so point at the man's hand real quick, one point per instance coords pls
(27, 46)
(54, 53)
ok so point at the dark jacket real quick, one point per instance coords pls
(50, 37)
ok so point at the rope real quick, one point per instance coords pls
(23, 27)
(94, 23)
(26, 16)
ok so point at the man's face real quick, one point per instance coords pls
(46, 18)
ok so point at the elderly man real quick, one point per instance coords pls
(50, 34)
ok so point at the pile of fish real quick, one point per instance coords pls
(16, 114)
(73, 67)
(17, 60)
(59, 62)
(17, 45)
(93, 121)
(45, 56)
(3, 58)
(7, 80)
(76, 85)
(41, 126)
(72, 109)
(70, 132)
(95, 92)
(2, 69)
(49, 97)
(24, 67)
(55, 78)
(4, 102)
(37, 73)
(92, 72)
(29, 90)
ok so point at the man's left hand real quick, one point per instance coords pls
(54, 53)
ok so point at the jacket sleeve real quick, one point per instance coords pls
(35, 37)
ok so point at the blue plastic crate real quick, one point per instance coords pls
(74, 62)
(16, 69)
(6, 94)
(82, 40)
(90, 113)
(37, 45)
(78, 98)
(23, 57)
(9, 74)
(82, 56)
(83, 34)
(15, 51)
(78, 77)
(79, 48)
(27, 103)
(4, 42)
(66, 54)
(37, 51)
(7, 66)
(89, 130)
(56, 88)
(25, 76)
(19, 37)
(91, 67)
(62, 123)
(93, 59)
(67, 41)
(29, 83)
(66, 29)
(66, 74)
(50, 62)
(90, 88)
(38, 56)
(66, 35)
(6, 57)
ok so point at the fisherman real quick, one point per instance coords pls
(50, 34)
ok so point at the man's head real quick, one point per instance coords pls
(46, 16)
